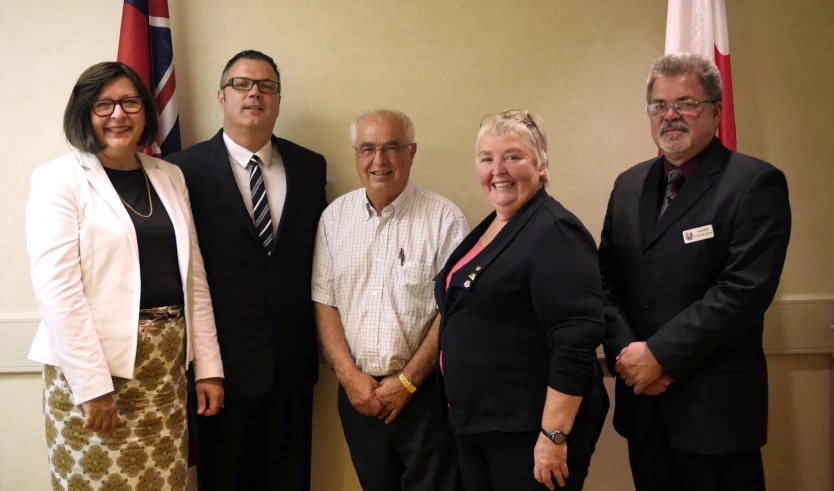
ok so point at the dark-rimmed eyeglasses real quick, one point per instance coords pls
(681, 107)
(130, 105)
(244, 84)
(528, 120)
(389, 150)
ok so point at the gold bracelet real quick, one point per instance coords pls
(411, 388)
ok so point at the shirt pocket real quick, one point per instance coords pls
(412, 293)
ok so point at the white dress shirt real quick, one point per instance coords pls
(378, 270)
(272, 168)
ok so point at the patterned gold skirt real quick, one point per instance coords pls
(149, 449)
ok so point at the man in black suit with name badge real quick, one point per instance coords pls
(256, 201)
(691, 252)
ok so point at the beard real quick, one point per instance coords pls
(674, 142)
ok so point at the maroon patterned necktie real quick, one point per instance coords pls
(673, 185)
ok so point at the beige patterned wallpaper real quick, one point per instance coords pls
(580, 64)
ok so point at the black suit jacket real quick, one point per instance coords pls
(699, 306)
(524, 314)
(262, 305)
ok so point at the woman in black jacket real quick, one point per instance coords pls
(522, 315)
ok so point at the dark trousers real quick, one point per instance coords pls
(416, 452)
(657, 466)
(503, 461)
(260, 443)
(498, 461)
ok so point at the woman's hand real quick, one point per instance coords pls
(210, 396)
(101, 413)
(550, 460)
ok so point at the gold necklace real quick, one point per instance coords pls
(150, 200)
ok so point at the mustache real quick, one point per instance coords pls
(673, 125)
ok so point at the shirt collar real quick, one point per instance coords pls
(397, 208)
(687, 167)
(242, 156)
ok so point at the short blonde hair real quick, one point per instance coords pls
(523, 124)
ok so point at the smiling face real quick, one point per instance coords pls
(384, 176)
(249, 115)
(507, 172)
(683, 136)
(120, 132)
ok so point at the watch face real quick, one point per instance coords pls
(559, 438)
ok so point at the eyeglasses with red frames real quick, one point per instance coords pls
(130, 105)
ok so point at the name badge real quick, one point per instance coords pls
(696, 234)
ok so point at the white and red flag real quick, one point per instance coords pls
(145, 45)
(700, 26)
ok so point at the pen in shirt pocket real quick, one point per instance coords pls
(402, 256)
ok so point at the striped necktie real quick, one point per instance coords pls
(260, 204)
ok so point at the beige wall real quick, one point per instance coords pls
(579, 64)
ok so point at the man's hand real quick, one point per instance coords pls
(101, 415)
(550, 461)
(659, 386)
(210, 395)
(361, 391)
(393, 396)
(638, 367)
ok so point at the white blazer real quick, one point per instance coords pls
(85, 269)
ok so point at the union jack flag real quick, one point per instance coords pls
(145, 45)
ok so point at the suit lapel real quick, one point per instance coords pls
(101, 183)
(701, 180)
(468, 274)
(217, 162)
(294, 178)
(649, 197)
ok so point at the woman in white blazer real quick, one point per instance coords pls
(122, 294)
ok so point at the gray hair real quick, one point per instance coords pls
(523, 124)
(682, 63)
(405, 121)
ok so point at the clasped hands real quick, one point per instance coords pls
(384, 399)
(639, 369)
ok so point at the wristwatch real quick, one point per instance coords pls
(555, 436)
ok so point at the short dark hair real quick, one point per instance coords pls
(249, 54)
(78, 127)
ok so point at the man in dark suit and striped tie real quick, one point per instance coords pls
(256, 201)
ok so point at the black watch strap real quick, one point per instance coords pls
(555, 436)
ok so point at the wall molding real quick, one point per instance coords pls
(16, 334)
(794, 325)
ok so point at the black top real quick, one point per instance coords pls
(159, 267)
(523, 315)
